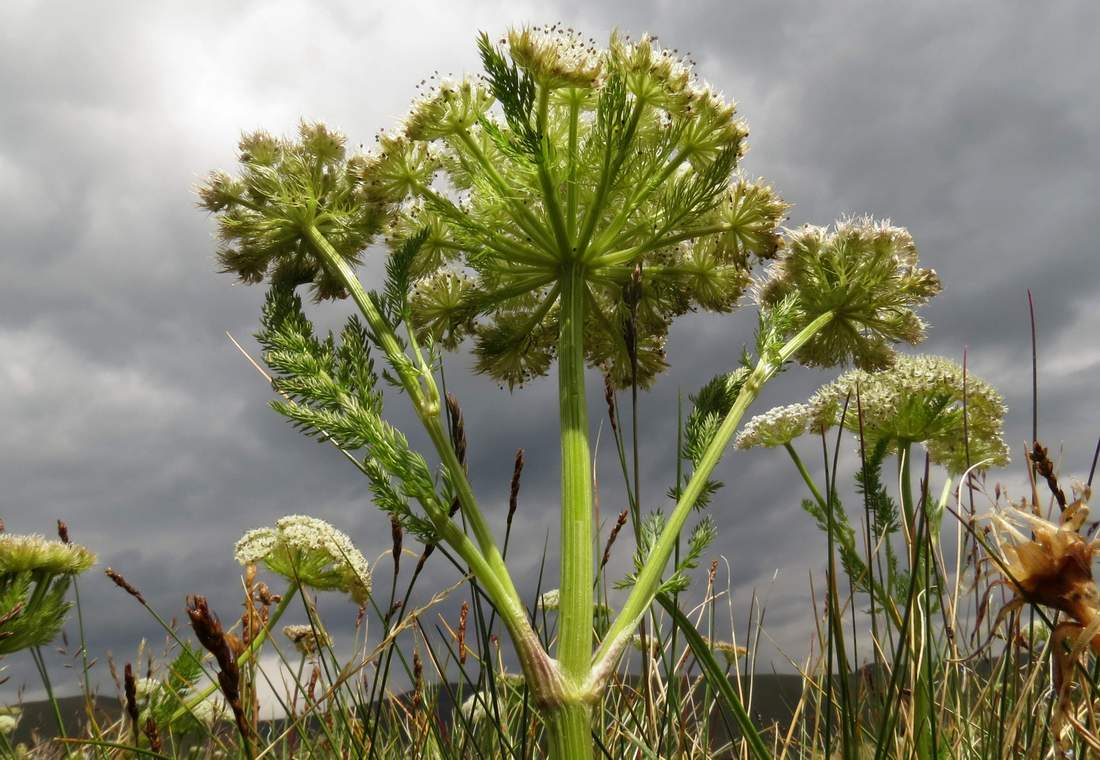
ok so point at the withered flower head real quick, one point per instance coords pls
(1053, 565)
(307, 639)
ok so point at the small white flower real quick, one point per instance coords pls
(776, 427)
(255, 545)
(9, 719)
(210, 711)
(550, 600)
(307, 639)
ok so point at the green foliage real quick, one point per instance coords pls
(331, 393)
(35, 575)
(515, 92)
(183, 673)
(710, 405)
(400, 266)
(702, 536)
(844, 536)
(885, 519)
(32, 609)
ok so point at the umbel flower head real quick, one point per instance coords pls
(286, 189)
(866, 273)
(34, 578)
(783, 424)
(310, 552)
(307, 639)
(608, 173)
(9, 719)
(921, 399)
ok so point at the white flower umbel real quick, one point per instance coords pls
(9, 719)
(921, 400)
(776, 427)
(307, 639)
(311, 552)
(34, 580)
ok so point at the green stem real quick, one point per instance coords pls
(508, 247)
(568, 731)
(649, 579)
(922, 708)
(426, 404)
(521, 214)
(614, 258)
(486, 564)
(608, 174)
(806, 477)
(877, 591)
(571, 187)
(546, 183)
(600, 245)
(577, 555)
(40, 664)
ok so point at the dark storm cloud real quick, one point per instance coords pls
(128, 413)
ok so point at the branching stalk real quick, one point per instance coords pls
(649, 579)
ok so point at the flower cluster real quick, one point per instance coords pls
(288, 189)
(447, 107)
(310, 552)
(866, 274)
(34, 578)
(550, 600)
(778, 426)
(35, 554)
(556, 56)
(9, 719)
(959, 418)
(617, 162)
(307, 639)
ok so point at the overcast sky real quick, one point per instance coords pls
(126, 412)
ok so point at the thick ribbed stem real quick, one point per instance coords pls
(577, 554)
(568, 731)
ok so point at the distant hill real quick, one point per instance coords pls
(773, 700)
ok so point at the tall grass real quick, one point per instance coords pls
(935, 662)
